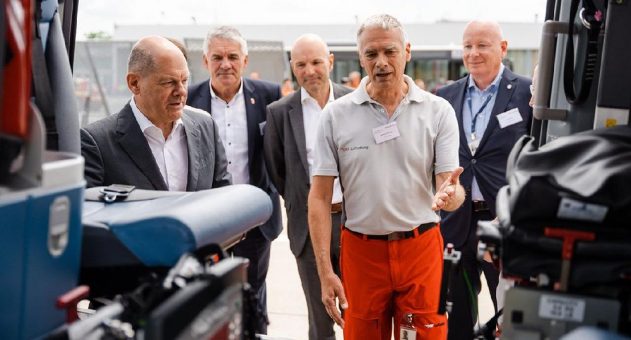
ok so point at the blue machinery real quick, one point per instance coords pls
(167, 246)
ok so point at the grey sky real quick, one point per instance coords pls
(102, 15)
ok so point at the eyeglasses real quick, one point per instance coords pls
(532, 89)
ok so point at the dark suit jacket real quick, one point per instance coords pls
(489, 163)
(116, 152)
(286, 159)
(257, 95)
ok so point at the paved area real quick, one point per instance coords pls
(286, 302)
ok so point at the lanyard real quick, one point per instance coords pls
(474, 117)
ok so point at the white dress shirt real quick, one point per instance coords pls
(171, 154)
(311, 115)
(232, 122)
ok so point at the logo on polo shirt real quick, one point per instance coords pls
(352, 148)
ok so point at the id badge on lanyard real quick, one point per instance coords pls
(407, 330)
(475, 142)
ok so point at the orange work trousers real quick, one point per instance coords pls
(386, 280)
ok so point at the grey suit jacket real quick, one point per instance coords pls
(116, 152)
(286, 161)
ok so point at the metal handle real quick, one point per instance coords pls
(541, 109)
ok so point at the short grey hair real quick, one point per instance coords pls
(227, 33)
(140, 60)
(385, 22)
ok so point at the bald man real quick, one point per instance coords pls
(491, 106)
(155, 142)
(289, 144)
(354, 79)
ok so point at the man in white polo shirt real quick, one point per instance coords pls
(387, 141)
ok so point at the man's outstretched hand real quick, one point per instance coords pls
(447, 191)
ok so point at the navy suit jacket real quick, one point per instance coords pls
(257, 95)
(489, 162)
(116, 152)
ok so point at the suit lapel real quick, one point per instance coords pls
(195, 158)
(132, 140)
(458, 103)
(338, 91)
(504, 94)
(251, 103)
(202, 98)
(296, 119)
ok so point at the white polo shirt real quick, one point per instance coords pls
(387, 187)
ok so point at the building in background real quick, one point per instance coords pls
(436, 55)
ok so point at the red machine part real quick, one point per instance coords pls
(569, 237)
(14, 109)
(70, 300)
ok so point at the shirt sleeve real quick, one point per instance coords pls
(325, 160)
(447, 140)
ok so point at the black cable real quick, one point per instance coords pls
(592, 22)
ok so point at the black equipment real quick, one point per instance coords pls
(563, 233)
(195, 300)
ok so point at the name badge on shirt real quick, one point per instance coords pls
(386, 132)
(509, 118)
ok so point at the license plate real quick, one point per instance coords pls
(561, 308)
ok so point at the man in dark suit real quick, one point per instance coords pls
(289, 143)
(491, 106)
(155, 142)
(238, 106)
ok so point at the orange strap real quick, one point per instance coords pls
(14, 108)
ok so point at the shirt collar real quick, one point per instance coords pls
(144, 122)
(360, 95)
(304, 95)
(214, 96)
(494, 85)
(415, 94)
